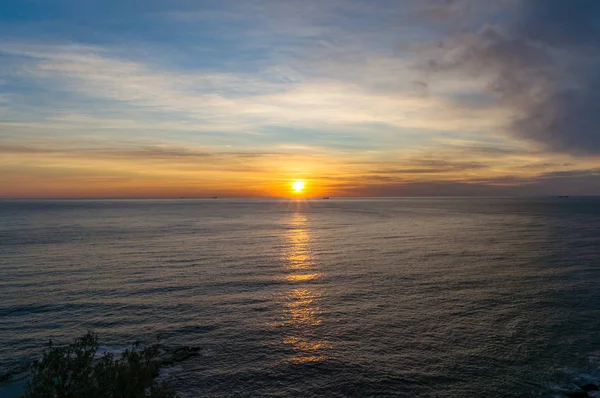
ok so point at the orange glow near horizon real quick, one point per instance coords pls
(111, 174)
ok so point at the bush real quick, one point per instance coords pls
(72, 372)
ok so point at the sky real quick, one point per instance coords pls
(239, 98)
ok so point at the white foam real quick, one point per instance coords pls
(106, 349)
(165, 372)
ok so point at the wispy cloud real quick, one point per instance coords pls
(222, 97)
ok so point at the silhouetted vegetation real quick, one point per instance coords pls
(74, 371)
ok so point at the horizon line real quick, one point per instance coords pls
(291, 198)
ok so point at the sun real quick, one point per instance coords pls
(298, 186)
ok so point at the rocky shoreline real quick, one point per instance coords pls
(167, 357)
(171, 356)
(588, 390)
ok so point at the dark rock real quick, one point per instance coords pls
(590, 387)
(577, 394)
(170, 356)
(183, 353)
(164, 359)
(15, 374)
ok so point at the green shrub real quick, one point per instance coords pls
(72, 372)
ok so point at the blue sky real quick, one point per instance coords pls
(161, 98)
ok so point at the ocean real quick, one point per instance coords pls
(420, 297)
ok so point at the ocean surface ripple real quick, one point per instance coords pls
(338, 298)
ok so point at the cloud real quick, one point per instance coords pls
(431, 166)
(576, 182)
(166, 170)
(152, 153)
(248, 93)
(542, 60)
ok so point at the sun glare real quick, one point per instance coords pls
(298, 186)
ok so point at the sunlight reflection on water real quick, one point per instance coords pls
(302, 314)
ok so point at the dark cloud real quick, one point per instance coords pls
(544, 165)
(560, 23)
(428, 189)
(420, 87)
(420, 84)
(570, 174)
(492, 151)
(574, 182)
(543, 57)
(421, 166)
